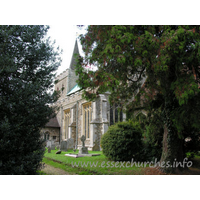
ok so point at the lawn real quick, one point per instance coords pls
(100, 165)
(89, 165)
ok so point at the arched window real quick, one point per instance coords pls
(116, 114)
(87, 117)
(46, 135)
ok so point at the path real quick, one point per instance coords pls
(49, 170)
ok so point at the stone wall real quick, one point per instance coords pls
(62, 83)
(52, 132)
(97, 135)
(74, 135)
(74, 102)
(98, 125)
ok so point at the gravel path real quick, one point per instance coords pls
(49, 170)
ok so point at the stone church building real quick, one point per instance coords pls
(76, 116)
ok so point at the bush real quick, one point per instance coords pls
(122, 141)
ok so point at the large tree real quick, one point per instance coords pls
(27, 68)
(167, 58)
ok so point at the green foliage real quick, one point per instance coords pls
(153, 136)
(191, 140)
(27, 69)
(122, 141)
(167, 58)
(190, 155)
(152, 124)
(152, 127)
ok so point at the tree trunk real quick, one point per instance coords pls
(172, 153)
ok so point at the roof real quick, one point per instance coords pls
(74, 89)
(53, 122)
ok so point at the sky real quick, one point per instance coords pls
(65, 37)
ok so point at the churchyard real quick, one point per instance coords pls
(100, 165)
(60, 160)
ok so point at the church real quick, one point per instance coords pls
(76, 116)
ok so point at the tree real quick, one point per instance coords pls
(167, 58)
(27, 65)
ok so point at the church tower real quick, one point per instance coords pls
(67, 79)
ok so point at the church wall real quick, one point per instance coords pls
(53, 132)
(100, 111)
(80, 123)
(62, 83)
(96, 127)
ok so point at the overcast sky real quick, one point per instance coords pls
(65, 37)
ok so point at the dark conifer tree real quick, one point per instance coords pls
(27, 68)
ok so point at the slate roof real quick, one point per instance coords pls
(53, 122)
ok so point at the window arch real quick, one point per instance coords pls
(116, 114)
(87, 117)
(46, 135)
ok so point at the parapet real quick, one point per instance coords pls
(62, 75)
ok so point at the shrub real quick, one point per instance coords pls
(122, 141)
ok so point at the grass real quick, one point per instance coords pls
(41, 173)
(89, 165)
(100, 165)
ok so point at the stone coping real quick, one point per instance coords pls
(81, 155)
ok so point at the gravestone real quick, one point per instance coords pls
(52, 142)
(83, 149)
(53, 147)
(70, 143)
(48, 143)
(96, 146)
(63, 146)
(49, 149)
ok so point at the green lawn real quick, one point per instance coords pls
(89, 165)
(100, 165)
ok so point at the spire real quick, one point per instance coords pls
(73, 60)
